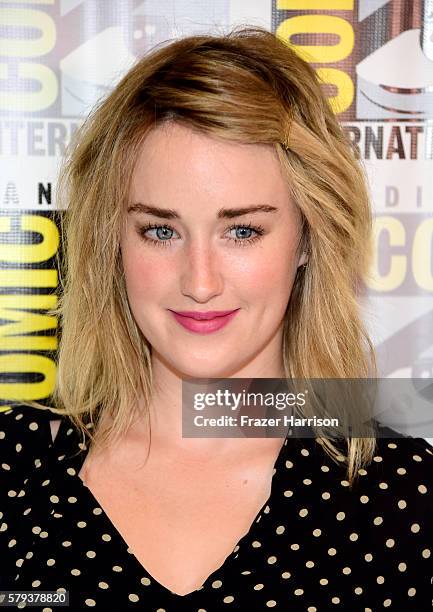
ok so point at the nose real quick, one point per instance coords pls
(202, 277)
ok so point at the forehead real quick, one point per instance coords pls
(175, 163)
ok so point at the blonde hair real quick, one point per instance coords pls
(246, 86)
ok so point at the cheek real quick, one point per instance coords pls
(144, 273)
(266, 273)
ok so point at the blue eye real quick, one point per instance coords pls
(164, 234)
(162, 238)
(242, 233)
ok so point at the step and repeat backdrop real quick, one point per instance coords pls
(58, 57)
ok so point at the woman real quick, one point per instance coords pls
(213, 178)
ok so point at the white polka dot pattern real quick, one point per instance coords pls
(316, 544)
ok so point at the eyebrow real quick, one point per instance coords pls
(223, 213)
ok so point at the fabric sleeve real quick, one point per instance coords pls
(25, 437)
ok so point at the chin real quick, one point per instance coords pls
(203, 368)
(205, 372)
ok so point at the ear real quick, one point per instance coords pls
(303, 259)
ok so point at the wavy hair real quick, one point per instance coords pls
(246, 86)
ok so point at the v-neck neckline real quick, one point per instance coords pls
(78, 459)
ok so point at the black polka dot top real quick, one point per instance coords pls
(315, 545)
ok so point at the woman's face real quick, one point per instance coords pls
(198, 254)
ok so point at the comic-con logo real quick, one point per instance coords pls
(375, 56)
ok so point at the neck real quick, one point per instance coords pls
(165, 410)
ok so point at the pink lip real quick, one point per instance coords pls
(209, 321)
(208, 314)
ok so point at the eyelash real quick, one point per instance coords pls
(164, 243)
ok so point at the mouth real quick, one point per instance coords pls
(204, 322)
